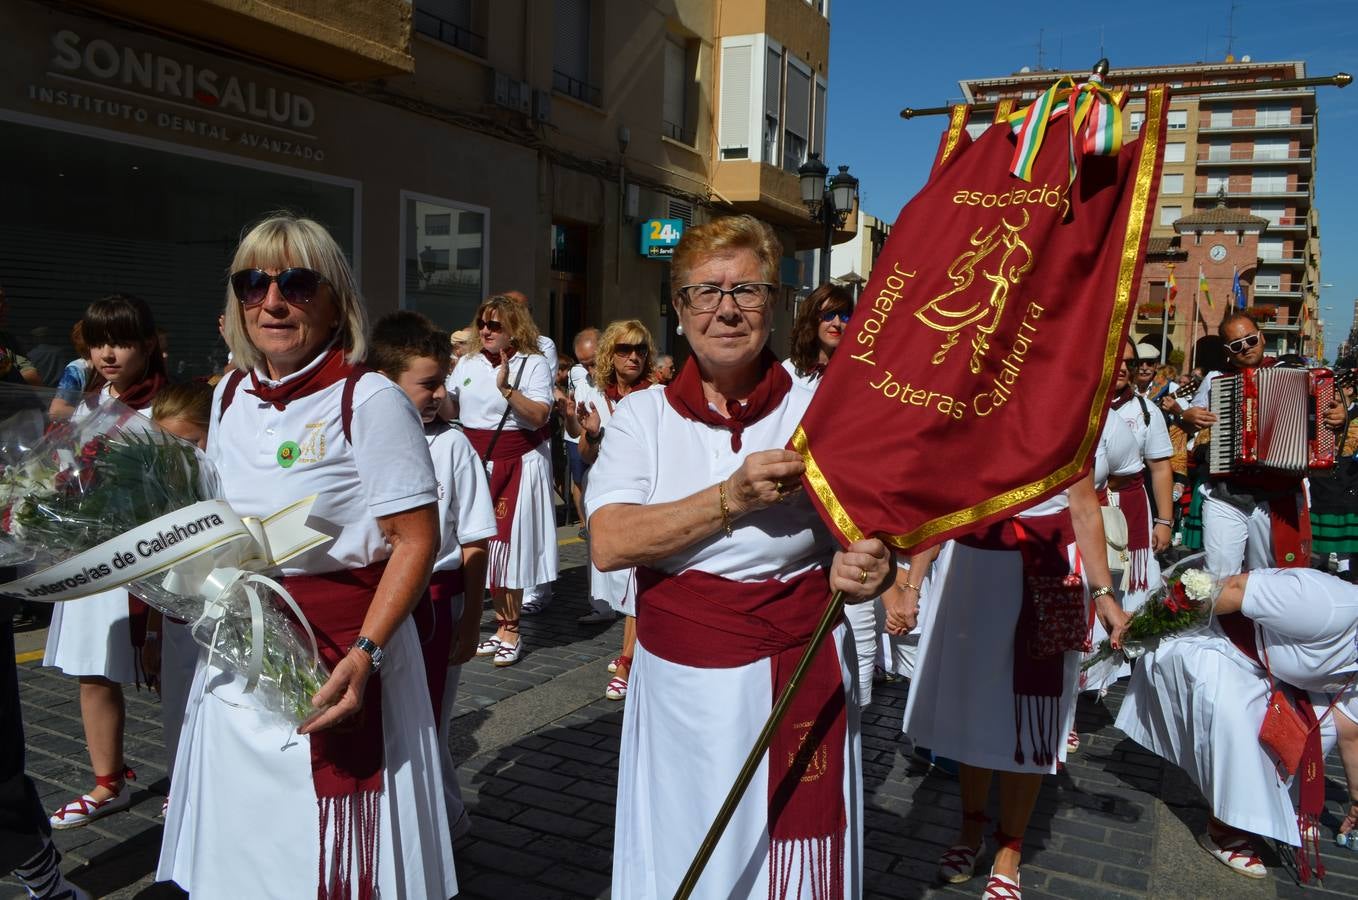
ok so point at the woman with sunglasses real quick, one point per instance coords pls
(93, 639)
(503, 391)
(623, 366)
(694, 489)
(816, 334)
(352, 801)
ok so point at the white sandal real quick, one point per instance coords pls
(85, 809)
(1235, 853)
(508, 654)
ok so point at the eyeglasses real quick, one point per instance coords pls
(1146, 364)
(629, 349)
(840, 314)
(1240, 345)
(490, 325)
(706, 297)
(1129, 362)
(297, 285)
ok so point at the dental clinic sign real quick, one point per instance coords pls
(126, 84)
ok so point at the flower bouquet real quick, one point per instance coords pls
(1182, 604)
(112, 501)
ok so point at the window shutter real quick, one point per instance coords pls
(734, 128)
(571, 49)
(773, 82)
(820, 123)
(675, 83)
(798, 102)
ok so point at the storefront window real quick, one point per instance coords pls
(445, 260)
(101, 217)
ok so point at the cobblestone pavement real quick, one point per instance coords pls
(538, 749)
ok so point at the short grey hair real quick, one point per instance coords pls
(280, 240)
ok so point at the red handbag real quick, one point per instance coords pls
(1060, 604)
(1283, 732)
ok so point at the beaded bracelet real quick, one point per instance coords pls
(725, 510)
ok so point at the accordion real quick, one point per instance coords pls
(1271, 420)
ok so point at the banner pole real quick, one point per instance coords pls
(761, 746)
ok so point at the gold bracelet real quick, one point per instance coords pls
(725, 510)
(913, 587)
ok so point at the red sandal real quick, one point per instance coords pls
(85, 809)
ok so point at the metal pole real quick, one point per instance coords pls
(1164, 322)
(1339, 79)
(827, 214)
(761, 746)
(1193, 329)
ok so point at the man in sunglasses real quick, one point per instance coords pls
(1251, 520)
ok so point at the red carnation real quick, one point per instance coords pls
(1178, 601)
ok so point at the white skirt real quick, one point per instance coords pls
(243, 818)
(1198, 702)
(618, 589)
(91, 636)
(685, 734)
(961, 701)
(530, 558)
(178, 664)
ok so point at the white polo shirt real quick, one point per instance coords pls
(479, 401)
(465, 511)
(269, 458)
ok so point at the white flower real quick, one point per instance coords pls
(1197, 584)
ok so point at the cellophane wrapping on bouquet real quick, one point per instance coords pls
(1181, 605)
(110, 495)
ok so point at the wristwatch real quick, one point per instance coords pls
(369, 646)
(506, 392)
(595, 437)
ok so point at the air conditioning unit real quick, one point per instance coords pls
(542, 106)
(511, 93)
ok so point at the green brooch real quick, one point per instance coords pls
(288, 452)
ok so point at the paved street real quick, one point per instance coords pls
(538, 749)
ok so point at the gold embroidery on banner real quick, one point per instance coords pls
(1003, 110)
(972, 307)
(1131, 245)
(956, 124)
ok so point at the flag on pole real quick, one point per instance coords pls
(1237, 292)
(1172, 286)
(1202, 288)
(996, 303)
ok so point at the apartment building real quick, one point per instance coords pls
(454, 147)
(1251, 153)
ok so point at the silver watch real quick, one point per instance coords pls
(369, 646)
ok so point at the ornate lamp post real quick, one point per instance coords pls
(828, 202)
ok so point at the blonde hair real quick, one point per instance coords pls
(281, 240)
(623, 331)
(188, 400)
(513, 317)
(728, 234)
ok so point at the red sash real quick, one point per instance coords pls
(1039, 681)
(505, 478)
(347, 760)
(433, 617)
(1239, 629)
(707, 621)
(1135, 506)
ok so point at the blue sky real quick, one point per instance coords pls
(888, 54)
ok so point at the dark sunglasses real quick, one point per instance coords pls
(1240, 345)
(629, 349)
(841, 314)
(297, 285)
(489, 325)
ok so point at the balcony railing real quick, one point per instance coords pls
(1276, 293)
(1238, 158)
(450, 33)
(1300, 189)
(1306, 122)
(1282, 260)
(678, 133)
(574, 87)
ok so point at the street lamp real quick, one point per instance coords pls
(827, 202)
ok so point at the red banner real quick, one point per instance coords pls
(974, 376)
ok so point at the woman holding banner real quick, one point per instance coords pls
(354, 798)
(996, 684)
(693, 487)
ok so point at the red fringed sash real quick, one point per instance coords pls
(685, 394)
(433, 618)
(1135, 506)
(1039, 681)
(347, 760)
(505, 477)
(1239, 629)
(707, 621)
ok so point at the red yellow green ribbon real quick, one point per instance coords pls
(1094, 114)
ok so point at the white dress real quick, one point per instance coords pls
(617, 589)
(243, 818)
(686, 730)
(961, 701)
(91, 636)
(1152, 444)
(1199, 702)
(532, 556)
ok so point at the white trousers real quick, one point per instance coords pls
(1235, 541)
(865, 620)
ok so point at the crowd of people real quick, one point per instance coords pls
(433, 457)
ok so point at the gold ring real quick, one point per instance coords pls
(863, 578)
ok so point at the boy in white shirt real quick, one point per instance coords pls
(408, 349)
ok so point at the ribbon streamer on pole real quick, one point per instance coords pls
(1094, 114)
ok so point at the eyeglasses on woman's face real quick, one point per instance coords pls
(750, 296)
(297, 285)
(628, 349)
(831, 315)
(489, 325)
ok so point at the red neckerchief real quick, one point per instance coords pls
(1122, 396)
(685, 394)
(331, 369)
(493, 358)
(140, 395)
(613, 392)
